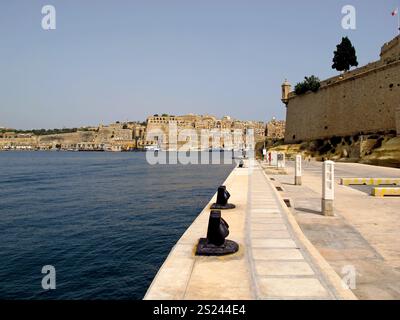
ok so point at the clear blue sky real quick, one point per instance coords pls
(125, 60)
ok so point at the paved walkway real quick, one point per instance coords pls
(363, 233)
(275, 260)
(282, 266)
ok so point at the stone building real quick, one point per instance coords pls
(116, 136)
(18, 141)
(200, 124)
(122, 136)
(363, 101)
(275, 129)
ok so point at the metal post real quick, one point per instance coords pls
(297, 171)
(328, 180)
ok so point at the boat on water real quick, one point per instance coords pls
(152, 148)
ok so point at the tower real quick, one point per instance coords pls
(286, 88)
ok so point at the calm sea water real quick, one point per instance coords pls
(105, 221)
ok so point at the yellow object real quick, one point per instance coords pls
(370, 181)
(382, 192)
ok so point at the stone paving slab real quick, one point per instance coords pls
(292, 288)
(277, 254)
(270, 234)
(283, 268)
(273, 243)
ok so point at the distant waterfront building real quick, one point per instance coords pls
(199, 123)
(123, 136)
(275, 129)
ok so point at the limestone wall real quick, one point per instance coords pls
(367, 100)
(28, 141)
(67, 138)
(398, 120)
(391, 50)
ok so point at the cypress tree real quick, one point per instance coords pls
(345, 56)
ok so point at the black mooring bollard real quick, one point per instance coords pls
(222, 200)
(216, 244)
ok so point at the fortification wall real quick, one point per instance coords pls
(391, 50)
(366, 100)
(68, 138)
(31, 141)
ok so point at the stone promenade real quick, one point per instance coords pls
(364, 231)
(275, 260)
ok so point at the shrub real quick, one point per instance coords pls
(309, 84)
(325, 148)
(304, 146)
(335, 140)
(320, 142)
(378, 143)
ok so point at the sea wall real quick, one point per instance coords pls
(268, 237)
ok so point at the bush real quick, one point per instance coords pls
(300, 88)
(279, 142)
(309, 84)
(335, 140)
(319, 142)
(378, 143)
(304, 146)
(43, 132)
(325, 148)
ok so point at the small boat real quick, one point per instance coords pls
(152, 148)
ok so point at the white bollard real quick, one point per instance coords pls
(328, 181)
(281, 160)
(297, 171)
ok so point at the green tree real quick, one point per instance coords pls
(345, 56)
